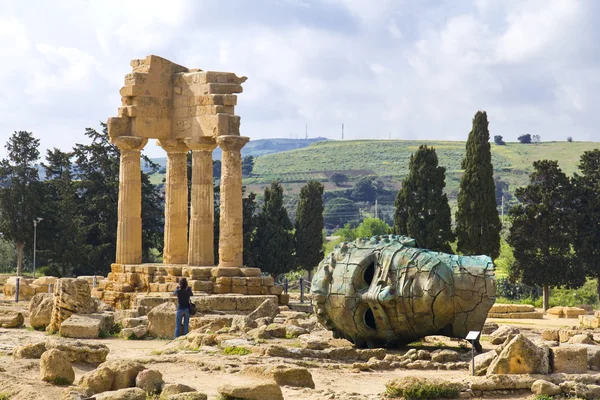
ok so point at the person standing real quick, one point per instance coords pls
(183, 293)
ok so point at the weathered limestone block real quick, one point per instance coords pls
(518, 315)
(482, 362)
(541, 387)
(81, 352)
(10, 318)
(589, 321)
(26, 288)
(417, 292)
(71, 296)
(161, 321)
(33, 350)
(112, 375)
(511, 308)
(569, 360)
(122, 394)
(55, 367)
(565, 312)
(171, 389)
(150, 381)
(80, 327)
(252, 390)
(500, 335)
(283, 375)
(520, 356)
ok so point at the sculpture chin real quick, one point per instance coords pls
(387, 292)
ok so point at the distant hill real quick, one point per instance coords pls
(389, 159)
(261, 147)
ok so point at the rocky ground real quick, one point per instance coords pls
(238, 351)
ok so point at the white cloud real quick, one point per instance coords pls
(416, 69)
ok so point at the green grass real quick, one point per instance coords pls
(390, 158)
(542, 397)
(417, 389)
(4, 396)
(236, 351)
(60, 381)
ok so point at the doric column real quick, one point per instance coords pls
(176, 202)
(129, 226)
(231, 221)
(202, 214)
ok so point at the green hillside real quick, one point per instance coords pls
(389, 160)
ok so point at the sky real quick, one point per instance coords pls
(405, 69)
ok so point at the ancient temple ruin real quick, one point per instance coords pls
(185, 110)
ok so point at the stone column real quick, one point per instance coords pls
(129, 226)
(231, 221)
(176, 202)
(202, 214)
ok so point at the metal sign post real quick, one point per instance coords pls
(17, 292)
(472, 336)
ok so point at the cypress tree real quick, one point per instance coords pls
(422, 210)
(477, 223)
(274, 239)
(542, 231)
(587, 237)
(309, 226)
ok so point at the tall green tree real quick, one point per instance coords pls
(97, 171)
(61, 234)
(21, 193)
(587, 237)
(542, 231)
(477, 223)
(309, 226)
(274, 237)
(422, 210)
(249, 206)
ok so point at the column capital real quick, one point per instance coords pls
(201, 143)
(133, 143)
(232, 142)
(173, 145)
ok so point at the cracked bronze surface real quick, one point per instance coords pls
(385, 291)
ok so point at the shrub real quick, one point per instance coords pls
(416, 388)
(498, 140)
(525, 139)
(60, 381)
(542, 397)
(236, 351)
(570, 139)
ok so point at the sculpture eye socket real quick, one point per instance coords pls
(369, 319)
(369, 273)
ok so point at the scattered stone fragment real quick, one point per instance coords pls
(122, 394)
(581, 339)
(40, 310)
(175, 388)
(569, 360)
(137, 332)
(56, 368)
(76, 393)
(112, 375)
(242, 323)
(161, 320)
(81, 352)
(443, 356)
(257, 390)
(293, 331)
(488, 328)
(313, 342)
(268, 309)
(550, 335)
(499, 335)
(33, 350)
(542, 387)
(71, 296)
(283, 375)
(580, 390)
(482, 362)
(10, 318)
(149, 380)
(188, 396)
(80, 327)
(133, 322)
(520, 356)
(277, 330)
